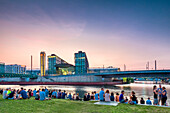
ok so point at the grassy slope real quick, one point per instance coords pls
(68, 106)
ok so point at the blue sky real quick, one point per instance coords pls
(111, 32)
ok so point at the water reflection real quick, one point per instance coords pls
(81, 92)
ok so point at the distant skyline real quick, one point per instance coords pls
(111, 32)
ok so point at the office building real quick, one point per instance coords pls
(51, 64)
(58, 66)
(14, 68)
(2, 67)
(81, 63)
(65, 69)
(42, 63)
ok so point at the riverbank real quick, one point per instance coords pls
(63, 83)
(69, 106)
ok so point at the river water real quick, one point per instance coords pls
(142, 90)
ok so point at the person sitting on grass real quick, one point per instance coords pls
(142, 101)
(46, 92)
(112, 96)
(85, 97)
(59, 94)
(107, 96)
(69, 96)
(12, 95)
(77, 97)
(92, 96)
(9, 91)
(50, 93)
(88, 97)
(18, 94)
(63, 95)
(74, 96)
(136, 100)
(42, 94)
(37, 96)
(117, 97)
(126, 100)
(1, 91)
(5, 95)
(133, 98)
(29, 93)
(101, 94)
(96, 95)
(23, 93)
(54, 94)
(121, 97)
(34, 92)
(148, 102)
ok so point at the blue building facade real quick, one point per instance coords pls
(15, 68)
(57, 65)
(2, 67)
(81, 63)
(51, 64)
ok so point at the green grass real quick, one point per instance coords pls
(68, 106)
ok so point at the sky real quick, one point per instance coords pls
(111, 32)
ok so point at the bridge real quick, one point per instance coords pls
(140, 73)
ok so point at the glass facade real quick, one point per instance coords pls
(58, 66)
(2, 67)
(81, 63)
(51, 64)
(42, 63)
(66, 70)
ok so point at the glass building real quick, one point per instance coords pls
(58, 66)
(42, 63)
(51, 64)
(2, 67)
(81, 63)
(65, 69)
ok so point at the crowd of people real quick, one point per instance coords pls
(159, 94)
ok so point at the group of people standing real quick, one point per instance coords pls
(160, 95)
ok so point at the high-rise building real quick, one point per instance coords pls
(42, 63)
(81, 63)
(56, 65)
(51, 64)
(14, 68)
(2, 67)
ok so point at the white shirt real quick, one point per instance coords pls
(107, 97)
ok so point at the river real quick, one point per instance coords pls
(141, 90)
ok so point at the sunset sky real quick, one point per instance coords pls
(111, 32)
